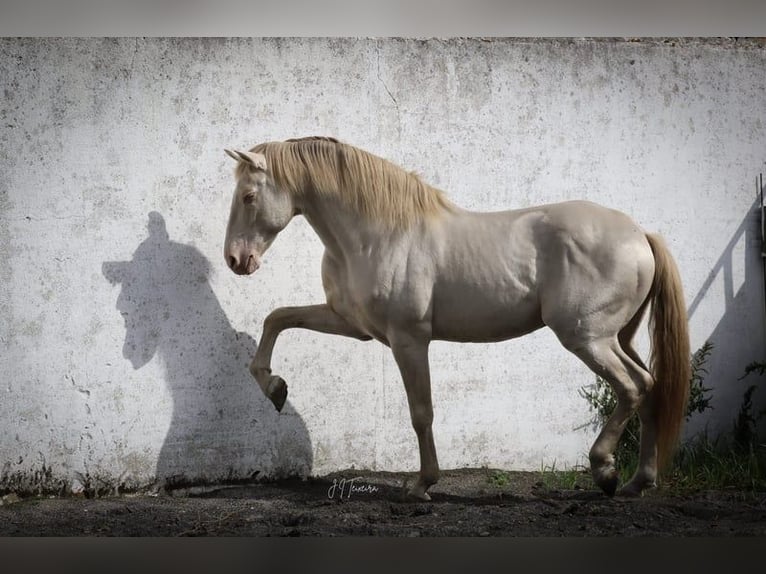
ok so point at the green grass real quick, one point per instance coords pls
(498, 478)
(548, 478)
(577, 477)
(700, 465)
(705, 464)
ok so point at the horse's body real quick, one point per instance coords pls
(405, 266)
(482, 277)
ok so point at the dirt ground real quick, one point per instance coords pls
(359, 503)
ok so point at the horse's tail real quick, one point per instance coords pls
(670, 360)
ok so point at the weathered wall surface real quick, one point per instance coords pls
(125, 339)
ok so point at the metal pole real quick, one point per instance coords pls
(762, 209)
(763, 218)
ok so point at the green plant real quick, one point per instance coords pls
(754, 367)
(498, 478)
(699, 401)
(745, 429)
(735, 459)
(572, 478)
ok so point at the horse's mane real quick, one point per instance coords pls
(373, 186)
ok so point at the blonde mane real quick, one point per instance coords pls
(371, 185)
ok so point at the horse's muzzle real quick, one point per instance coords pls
(243, 266)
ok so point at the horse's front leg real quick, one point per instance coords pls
(313, 317)
(412, 358)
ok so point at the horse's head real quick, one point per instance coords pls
(259, 211)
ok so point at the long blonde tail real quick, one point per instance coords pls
(670, 358)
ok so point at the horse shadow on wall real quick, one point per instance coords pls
(222, 428)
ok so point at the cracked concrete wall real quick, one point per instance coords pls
(126, 340)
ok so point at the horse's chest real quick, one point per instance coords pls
(369, 297)
(356, 297)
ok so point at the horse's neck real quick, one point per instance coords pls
(339, 228)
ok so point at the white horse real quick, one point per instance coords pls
(405, 266)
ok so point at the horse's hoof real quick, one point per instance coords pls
(416, 494)
(277, 391)
(610, 486)
(608, 481)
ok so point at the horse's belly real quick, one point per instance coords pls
(473, 318)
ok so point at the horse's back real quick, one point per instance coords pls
(586, 220)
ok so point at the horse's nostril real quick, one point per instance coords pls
(232, 262)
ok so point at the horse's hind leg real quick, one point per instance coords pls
(645, 475)
(607, 359)
(412, 358)
(313, 317)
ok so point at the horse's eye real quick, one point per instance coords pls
(249, 198)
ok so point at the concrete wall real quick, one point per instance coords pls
(125, 339)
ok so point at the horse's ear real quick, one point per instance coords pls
(257, 160)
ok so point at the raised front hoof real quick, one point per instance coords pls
(276, 391)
